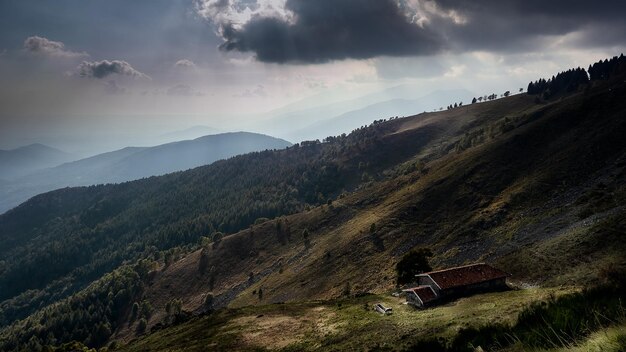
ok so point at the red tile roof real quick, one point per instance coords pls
(425, 293)
(465, 275)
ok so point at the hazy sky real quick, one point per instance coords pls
(116, 69)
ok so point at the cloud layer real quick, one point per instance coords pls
(304, 31)
(523, 25)
(104, 68)
(322, 30)
(42, 46)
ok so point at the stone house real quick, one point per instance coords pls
(443, 285)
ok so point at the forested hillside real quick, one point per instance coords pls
(133, 163)
(511, 181)
(72, 236)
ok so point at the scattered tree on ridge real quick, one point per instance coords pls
(413, 263)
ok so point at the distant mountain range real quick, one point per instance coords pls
(346, 122)
(343, 117)
(24, 160)
(188, 133)
(134, 163)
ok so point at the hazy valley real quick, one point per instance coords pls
(133, 163)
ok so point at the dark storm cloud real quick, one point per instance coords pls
(520, 25)
(582, 9)
(104, 68)
(324, 30)
(330, 30)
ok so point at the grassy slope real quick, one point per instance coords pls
(543, 201)
(347, 324)
(608, 340)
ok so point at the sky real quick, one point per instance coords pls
(90, 76)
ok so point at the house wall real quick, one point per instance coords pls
(427, 281)
(412, 299)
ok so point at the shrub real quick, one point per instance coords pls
(142, 325)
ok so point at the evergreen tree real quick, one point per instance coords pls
(307, 240)
(208, 301)
(142, 325)
(217, 239)
(203, 263)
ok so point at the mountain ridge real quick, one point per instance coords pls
(136, 162)
(400, 107)
(304, 124)
(23, 160)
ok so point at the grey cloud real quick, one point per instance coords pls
(42, 46)
(185, 64)
(104, 68)
(241, 5)
(520, 25)
(326, 30)
(575, 9)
